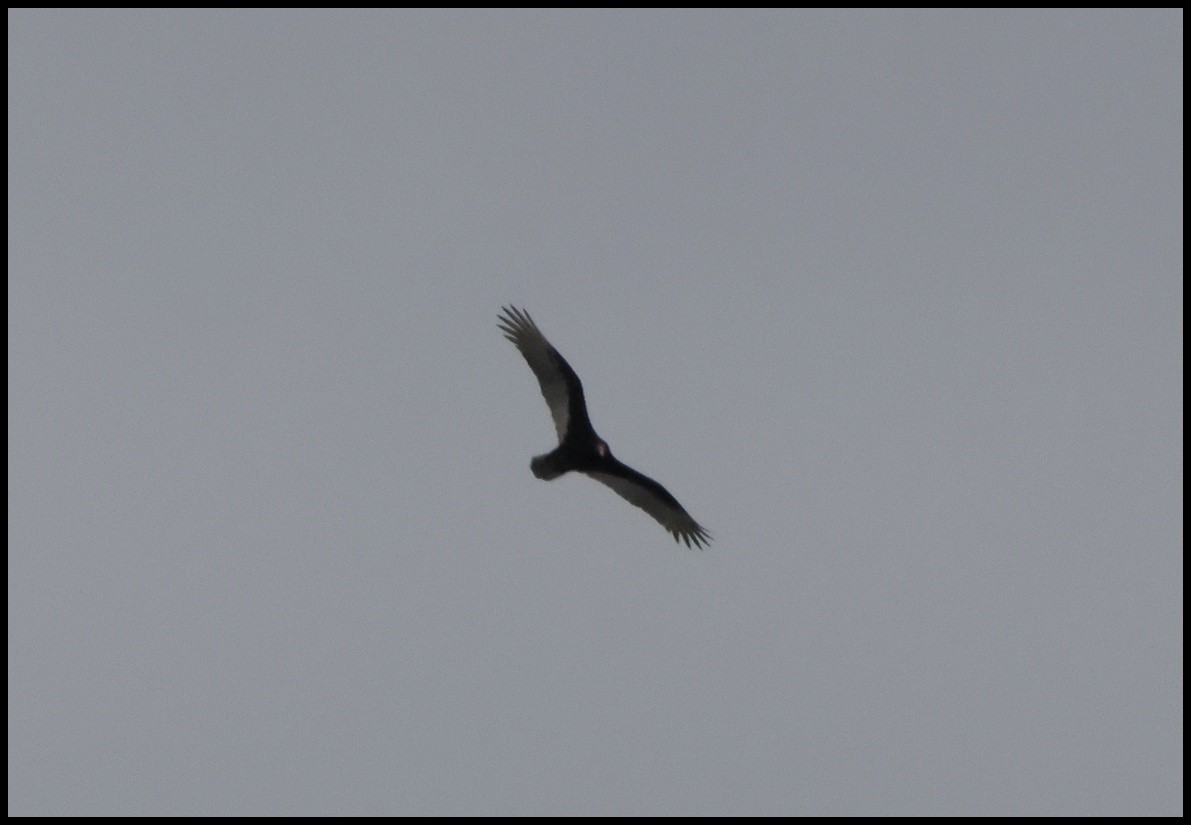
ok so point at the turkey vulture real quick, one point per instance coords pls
(579, 447)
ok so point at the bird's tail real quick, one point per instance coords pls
(548, 466)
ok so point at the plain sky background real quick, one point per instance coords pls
(891, 302)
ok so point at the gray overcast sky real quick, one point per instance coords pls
(891, 302)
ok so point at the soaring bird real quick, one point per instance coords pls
(579, 448)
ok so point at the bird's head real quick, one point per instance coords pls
(602, 449)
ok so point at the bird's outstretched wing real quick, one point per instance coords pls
(654, 499)
(560, 385)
